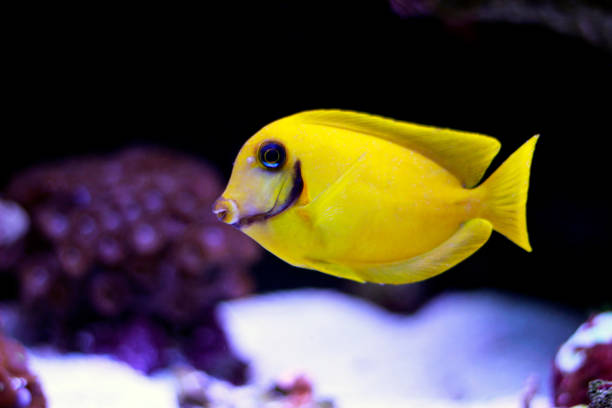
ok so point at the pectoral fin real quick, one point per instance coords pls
(322, 206)
(470, 236)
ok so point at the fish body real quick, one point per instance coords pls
(372, 199)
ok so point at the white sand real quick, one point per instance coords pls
(458, 348)
(463, 350)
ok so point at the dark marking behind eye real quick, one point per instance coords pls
(294, 194)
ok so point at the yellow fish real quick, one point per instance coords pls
(373, 199)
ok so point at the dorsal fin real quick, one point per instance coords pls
(466, 155)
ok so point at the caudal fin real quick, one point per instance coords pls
(505, 195)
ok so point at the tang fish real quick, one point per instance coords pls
(373, 199)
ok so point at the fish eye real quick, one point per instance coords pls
(272, 155)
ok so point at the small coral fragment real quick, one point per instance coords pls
(197, 390)
(600, 394)
(19, 388)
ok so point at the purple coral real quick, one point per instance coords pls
(127, 245)
(14, 224)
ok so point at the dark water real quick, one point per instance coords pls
(204, 79)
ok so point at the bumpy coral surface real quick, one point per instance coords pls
(19, 388)
(600, 394)
(586, 356)
(124, 256)
(14, 223)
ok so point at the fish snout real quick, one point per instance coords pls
(226, 210)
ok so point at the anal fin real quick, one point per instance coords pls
(463, 243)
(340, 271)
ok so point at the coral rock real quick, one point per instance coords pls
(585, 357)
(14, 224)
(589, 19)
(600, 394)
(19, 388)
(197, 390)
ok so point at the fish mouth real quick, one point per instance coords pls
(278, 207)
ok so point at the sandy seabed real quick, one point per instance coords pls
(474, 349)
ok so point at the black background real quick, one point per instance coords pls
(203, 79)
